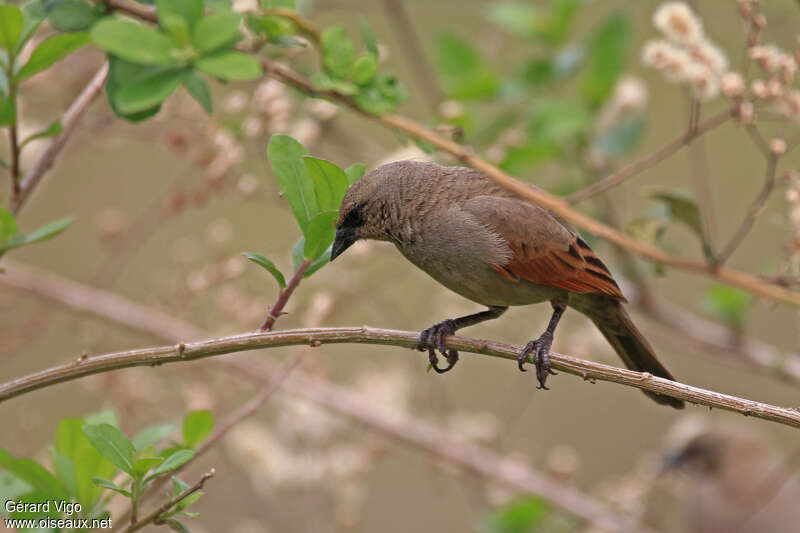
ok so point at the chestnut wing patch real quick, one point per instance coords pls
(576, 269)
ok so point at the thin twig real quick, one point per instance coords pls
(587, 370)
(651, 160)
(68, 123)
(752, 213)
(154, 516)
(276, 310)
(13, 146)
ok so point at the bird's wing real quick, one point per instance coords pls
(544, 251)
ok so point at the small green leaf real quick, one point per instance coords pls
(178, 486)
(323, 260)
(65, 473)
(297, 257)
(171, 463)
(10, 27)
(319, 236)
(75, 15)
(196, 86)
(520, 516)
(33, 13)
(149, 91)
(112, 444)
(330, 182)
(230, 66)
(285, 157)
(364, 69)
(216, 31)
(176, 525)
(197, 425)
(50, 131)
(682, 207)
(8, 226)
(50, 51)
(33, 474)
(268, 265)
(177, 27)
(728, 304)
(134, 42)
(189, 10)
(142, 465)
(151, 435)
(337, 51)
(368, 36)
(85, 460)
(123, 73)
(46, 232)
(606, 59)
(108, 484)
(354, 172)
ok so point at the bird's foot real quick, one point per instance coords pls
(541, 358)
(433, 339)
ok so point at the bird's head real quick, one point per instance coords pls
(365, 212)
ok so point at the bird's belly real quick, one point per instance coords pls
(477, 281)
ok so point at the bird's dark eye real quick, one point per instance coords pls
(354, 218)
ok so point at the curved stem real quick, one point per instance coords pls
(588, 370)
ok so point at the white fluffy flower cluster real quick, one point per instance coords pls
(685, 55)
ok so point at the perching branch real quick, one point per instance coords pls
(588, 370)
(69, 121)
(155, 516)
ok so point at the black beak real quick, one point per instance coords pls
(345, 237)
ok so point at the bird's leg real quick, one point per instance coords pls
(541, 347)
(434, 338)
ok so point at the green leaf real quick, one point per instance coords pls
(606, 59)
(330, 182)
(10, 27)
(354, 172)
(230, 66)
(85, 460)
(75, 15)
(8, 226)
(178, 486)
(197, 425)
(112, 444)
(728, 304)
(34, 474)
(176, 525)
(142, 465)
(65, 473)
(46, 232)
(149, 91)
(123, 73)
(383, 95)
(134, 42)
(518, 158)
(368, 36)
(522, 19)
(520, 516)
(320, 234)
(171, 463)
(558, 121)
(50, 131)
(177, 27)
(108, 484)
(268, 265)
(285, 157)
(33, 13)
(151, 435)
(51, 50)
(106, 416)
(297, 257)
(682, 207)
(216, 31)
(337, 51)
(196, 86)
(364, 69)
(465, 75)
(189, 10)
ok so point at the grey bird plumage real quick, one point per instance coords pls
(494, 248)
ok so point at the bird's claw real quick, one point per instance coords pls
(433, 339)
(541, 358)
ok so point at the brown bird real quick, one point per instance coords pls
(492, 247)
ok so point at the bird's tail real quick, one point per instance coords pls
(634, 350)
